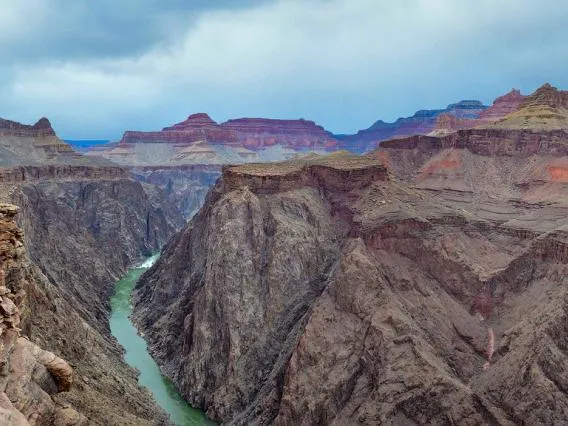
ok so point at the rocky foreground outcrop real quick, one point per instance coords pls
(31, 378)
(338, 291)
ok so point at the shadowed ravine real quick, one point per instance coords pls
(137, 355)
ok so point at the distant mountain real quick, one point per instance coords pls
(502, 106)
(422, 122)
(36, 144)
(545, 109)
(200, 140)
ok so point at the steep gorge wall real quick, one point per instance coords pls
(83, 231)
(294, 300)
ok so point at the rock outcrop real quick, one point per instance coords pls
(82, 235)
(31, 378)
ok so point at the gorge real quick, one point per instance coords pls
(421, 283)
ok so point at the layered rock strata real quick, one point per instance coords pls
(251, 133)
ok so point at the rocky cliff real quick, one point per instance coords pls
(331, 292)
(184, 187)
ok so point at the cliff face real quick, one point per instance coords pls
(184, 187)
(330, 292)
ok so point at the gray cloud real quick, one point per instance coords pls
(344, 63)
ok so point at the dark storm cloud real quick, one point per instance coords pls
(76, 29)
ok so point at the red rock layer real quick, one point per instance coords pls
(258, 133)
(40, 129)
(253, 133)
(490, 142)
(194, 121)
(503, 106)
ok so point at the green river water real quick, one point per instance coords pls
(137, 355)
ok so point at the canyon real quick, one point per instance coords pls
(422, 283)
(81, 223)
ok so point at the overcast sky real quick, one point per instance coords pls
(97, 68)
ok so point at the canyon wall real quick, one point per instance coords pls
(184, 187)
(82, 234)
(84, 221)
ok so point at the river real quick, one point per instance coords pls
(137, 354)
